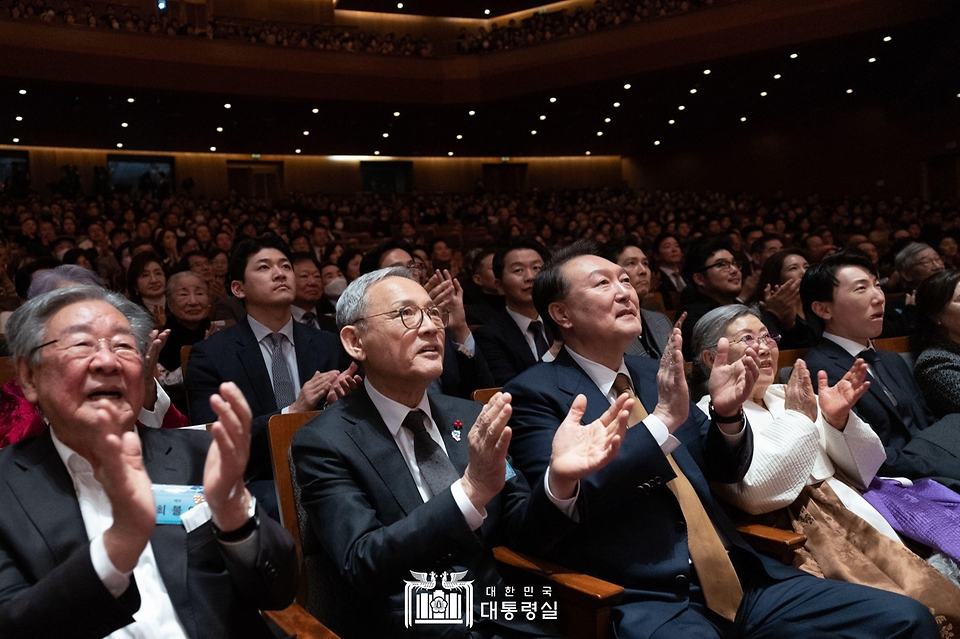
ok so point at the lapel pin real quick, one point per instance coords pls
(457, 427)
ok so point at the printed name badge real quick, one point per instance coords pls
(511, 473)
(175, 501)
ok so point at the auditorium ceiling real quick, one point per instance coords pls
(449, 8)
(905, 72)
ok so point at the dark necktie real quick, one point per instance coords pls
(309, 319)
(282, 383)
(887, 383)
(718, 579)
(436, 468)
(536, 327)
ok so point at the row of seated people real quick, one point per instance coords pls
(402, 334)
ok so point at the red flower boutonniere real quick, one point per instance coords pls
(457, 427)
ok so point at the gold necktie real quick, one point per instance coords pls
(718, 580)
(622, 385)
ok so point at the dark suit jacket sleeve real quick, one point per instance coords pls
(201, 380)
(721, 462)
(496, 353)
(463, 374)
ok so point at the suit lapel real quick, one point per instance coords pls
(573, 380)
(513, 335)
(843, 360)
(457, 451)
(373, 439)
(304, 345)
(251, 358)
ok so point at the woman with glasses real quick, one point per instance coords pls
(812, 459)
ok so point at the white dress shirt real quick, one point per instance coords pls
(675, 277)
(298, 314)
(393, 413)
(261, 332)
(154, 418)
(790, 452)
(524, 323)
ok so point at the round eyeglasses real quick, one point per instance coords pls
(412, 316)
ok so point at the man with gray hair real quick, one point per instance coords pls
(100, 535)
(397, 484)
(914, 263)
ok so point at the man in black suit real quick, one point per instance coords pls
(516, 338)
(306, 306)
(481, 297)
(394, 480)
(280, 365)
(842, 295)
(716, 281)
(626, 252)
(82, 553)
(669, 257)
(652, 525)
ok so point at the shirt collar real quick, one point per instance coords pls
(523, 321)
(602, 376)
(852, 347)
(392, 412)
(260, 331)
(297, 313)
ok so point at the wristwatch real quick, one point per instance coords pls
(735, 419)
(243, 531)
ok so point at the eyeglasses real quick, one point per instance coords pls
(753, 342)
(725, 266)
(927, 262)
(81, 347)
(412, 316)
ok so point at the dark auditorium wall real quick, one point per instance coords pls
(843, 154)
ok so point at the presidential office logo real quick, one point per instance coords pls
(450, 603)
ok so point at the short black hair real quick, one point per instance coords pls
(251, 246)
(516, 244)
(24, 275)
(701, 251)
(663, 237)
(137, 265)
(820, 281)
(758, 244)
(489, 249)
(371, 259)
(549, 285)
(303, 256)
(614, 248)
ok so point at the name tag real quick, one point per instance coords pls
(173, 502)
(511, 473)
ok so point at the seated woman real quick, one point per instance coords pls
(812, 455)
(937, 368)
(778, 294)
(147, 285)
(188, 322)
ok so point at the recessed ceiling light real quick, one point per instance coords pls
(306, 133)
(23, 91)
(692, 91)
(776, 76)
(486, 12)
(459, 137)
(376, 152)
(656, 143)
(743, 119)
(219, 129)
(396, 114)
(587, 153)
(793, 56)
(553, 100)
(316, 110)
(706, 72)
(130, 100)
(399, 5)
(606, 120)
(16, 140)
(627, 87)
(123, 124)
(681, 108)
(872, 60)
(534, 132)
(386, 135)
(543, 117)
(763, 94)
(616, 105)
(471, 112)
(297, 151)
(671, 121)
(849, 90)
(20, 119)
(119, 145)
(887, 39)
(450, 153)
(599, 133)
(213, 148)
(227, 105)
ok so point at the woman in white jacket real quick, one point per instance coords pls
(812, 458)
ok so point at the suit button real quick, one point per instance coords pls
(681, 580)
(680, 526)
(658, 480)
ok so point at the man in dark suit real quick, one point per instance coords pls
(626, 252)
(307, 308)
(842, 295)
(82, 553)
(394, 480)
(516, 338)
(644, 529)
(669, 258)
(716, 281)
(280, 365)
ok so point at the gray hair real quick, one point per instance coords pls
(27, 327)
(352, 305)
(174, 280)
(64, 275)
(908, 257)
(707, 333)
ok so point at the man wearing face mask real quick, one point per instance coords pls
(334, 283)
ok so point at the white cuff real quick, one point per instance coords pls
(154, 418)
(473, 516)
(469, 346)
(667, 442)
(734, 439)
(566, 506)
(116, 582)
